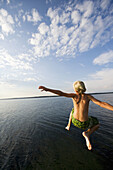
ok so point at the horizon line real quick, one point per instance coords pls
(31, 97)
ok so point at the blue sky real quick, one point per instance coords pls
(54, 43)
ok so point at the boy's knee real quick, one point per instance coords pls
(98, 125)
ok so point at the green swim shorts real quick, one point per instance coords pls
(92, 121)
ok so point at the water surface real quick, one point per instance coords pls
(33, 136)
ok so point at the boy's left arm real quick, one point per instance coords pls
(101, 104)
(58, 92)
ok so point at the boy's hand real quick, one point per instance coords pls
(43, 88)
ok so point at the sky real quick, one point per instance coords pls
(54, 43)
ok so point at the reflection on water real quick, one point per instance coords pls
(32, 136)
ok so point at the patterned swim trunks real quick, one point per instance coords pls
(92, 121)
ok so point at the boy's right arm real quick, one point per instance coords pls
(101, 104)
(58, 92)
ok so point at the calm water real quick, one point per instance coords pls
(32, 136)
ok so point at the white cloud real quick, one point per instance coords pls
(104, 4)
(24, 18)
(103, 74)
(6, 22)
(30, 79)
(6, 84)
(86, 34)
(18, 17)
(51, 38)
(76, 16)
(17, 72)
(99, 29)
(101, 81)
(54, 16)
(1, 36)
(8, 1)
(34, 17)
(13, 61)
(64, 17)
(20, 12)
(86, 8)
(70, 31)
(43, 28)
(104, 58)
(27, 56)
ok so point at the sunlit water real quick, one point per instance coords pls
(33, 136)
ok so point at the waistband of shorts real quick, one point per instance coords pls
(79, 120)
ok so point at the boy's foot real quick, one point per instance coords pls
(67, 127)
(87, 140)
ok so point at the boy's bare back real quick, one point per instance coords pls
(81, 109)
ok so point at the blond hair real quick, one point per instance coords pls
(79, 86)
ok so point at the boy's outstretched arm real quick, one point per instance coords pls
(101, 104)
(58, 92)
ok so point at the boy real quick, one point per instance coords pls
(79, 114)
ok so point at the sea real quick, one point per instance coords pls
(33, 136)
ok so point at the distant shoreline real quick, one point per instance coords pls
(36, 97)
(100, 93)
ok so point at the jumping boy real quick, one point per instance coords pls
(79, 114)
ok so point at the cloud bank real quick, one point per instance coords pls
(6, 22)
(102, 80)
(104, 58)
(73, 29)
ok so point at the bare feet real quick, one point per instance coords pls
(67, 127)
(87, 140)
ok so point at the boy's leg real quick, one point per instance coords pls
(87, 134)
(69, 123)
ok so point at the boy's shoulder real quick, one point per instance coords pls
(88, 96)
